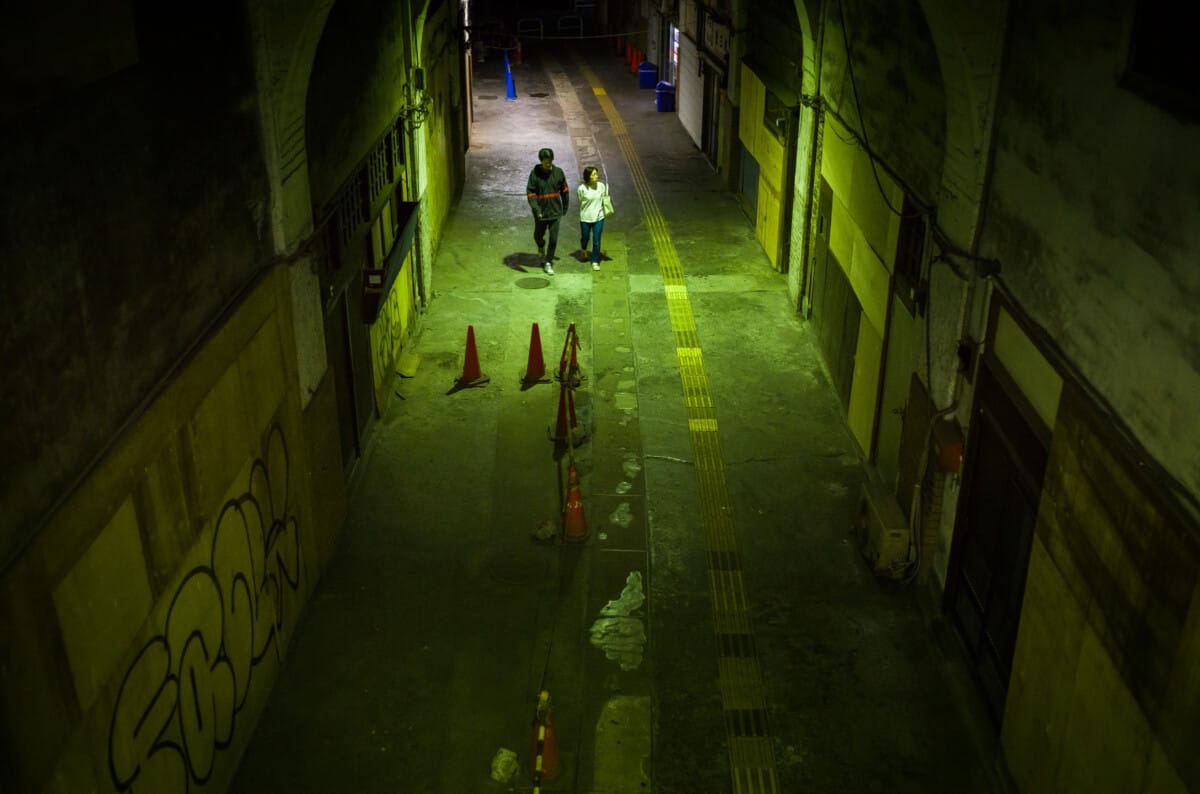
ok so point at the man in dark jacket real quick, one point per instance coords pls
(549, 199)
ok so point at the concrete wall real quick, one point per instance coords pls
(358, 82)
(1093, 211)
(898, 82)
(1089, 209)
(134, 210)
(144, 627)
(443, 164)
(778, 46)
(376, 48)
(172, 483)
(1105, 686)
(862, 237)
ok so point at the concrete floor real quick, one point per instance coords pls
(425, 646)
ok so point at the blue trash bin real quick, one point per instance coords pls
(647, 75)
(664, 97)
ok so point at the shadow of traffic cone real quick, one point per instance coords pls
(574, 525)
(562, 359)
(471, 376)
(535, 367)
(565, 422)
(544, 765)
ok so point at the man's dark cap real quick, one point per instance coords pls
(544, 153)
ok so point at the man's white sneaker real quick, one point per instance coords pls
(549, 268)
(595, 266)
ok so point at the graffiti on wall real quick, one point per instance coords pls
(388, 332)
(178, 703)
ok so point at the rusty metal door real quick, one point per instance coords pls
(997, 512)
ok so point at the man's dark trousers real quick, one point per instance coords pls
(540, 227)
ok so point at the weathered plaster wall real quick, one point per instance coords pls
(1105, 688)
(368, 46)
(1093, 208)
(445, 170)
(143, 631)
(358, 80)
(778, 44)
(180, 474)
(899, 86)
(133, 211)
(285, 35)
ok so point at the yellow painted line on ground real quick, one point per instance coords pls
(743, 696)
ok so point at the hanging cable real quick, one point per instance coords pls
(863, 119)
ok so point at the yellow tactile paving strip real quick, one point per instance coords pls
(743, 696)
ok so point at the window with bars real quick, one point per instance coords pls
(909, 248)
(379, 177)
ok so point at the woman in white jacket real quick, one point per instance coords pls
(591, 193)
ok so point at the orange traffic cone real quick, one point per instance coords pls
(543, 761)
(535, 367)
(570, 350)
(574, 374)
(562, 359)
(574, 525)
(471, 375)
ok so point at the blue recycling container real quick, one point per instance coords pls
(647, 74)
(664, 97)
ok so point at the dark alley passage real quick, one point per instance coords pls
(715, 466)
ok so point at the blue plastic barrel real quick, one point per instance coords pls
(664, 97)
(647, 74)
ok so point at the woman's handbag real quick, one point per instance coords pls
(606, 202)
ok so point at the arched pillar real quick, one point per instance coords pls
(969, 42)
(801, 223)
(285, 38)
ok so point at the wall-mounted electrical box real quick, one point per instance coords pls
(947, 445)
